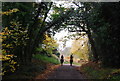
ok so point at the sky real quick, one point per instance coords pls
(60, 36)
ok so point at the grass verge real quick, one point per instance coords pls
(47, 59)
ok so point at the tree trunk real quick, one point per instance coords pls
(95, 55)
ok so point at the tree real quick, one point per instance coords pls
(29, 24)
(48, 45)
(80, 47)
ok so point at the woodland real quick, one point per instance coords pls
(28, 29)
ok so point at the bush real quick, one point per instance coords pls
(9, 65)
(28, 71)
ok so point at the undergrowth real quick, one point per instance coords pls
(95, 71)
(37, 66)
(27, 71)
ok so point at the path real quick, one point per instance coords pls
(66, 72)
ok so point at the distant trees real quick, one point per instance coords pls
(80, 47)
